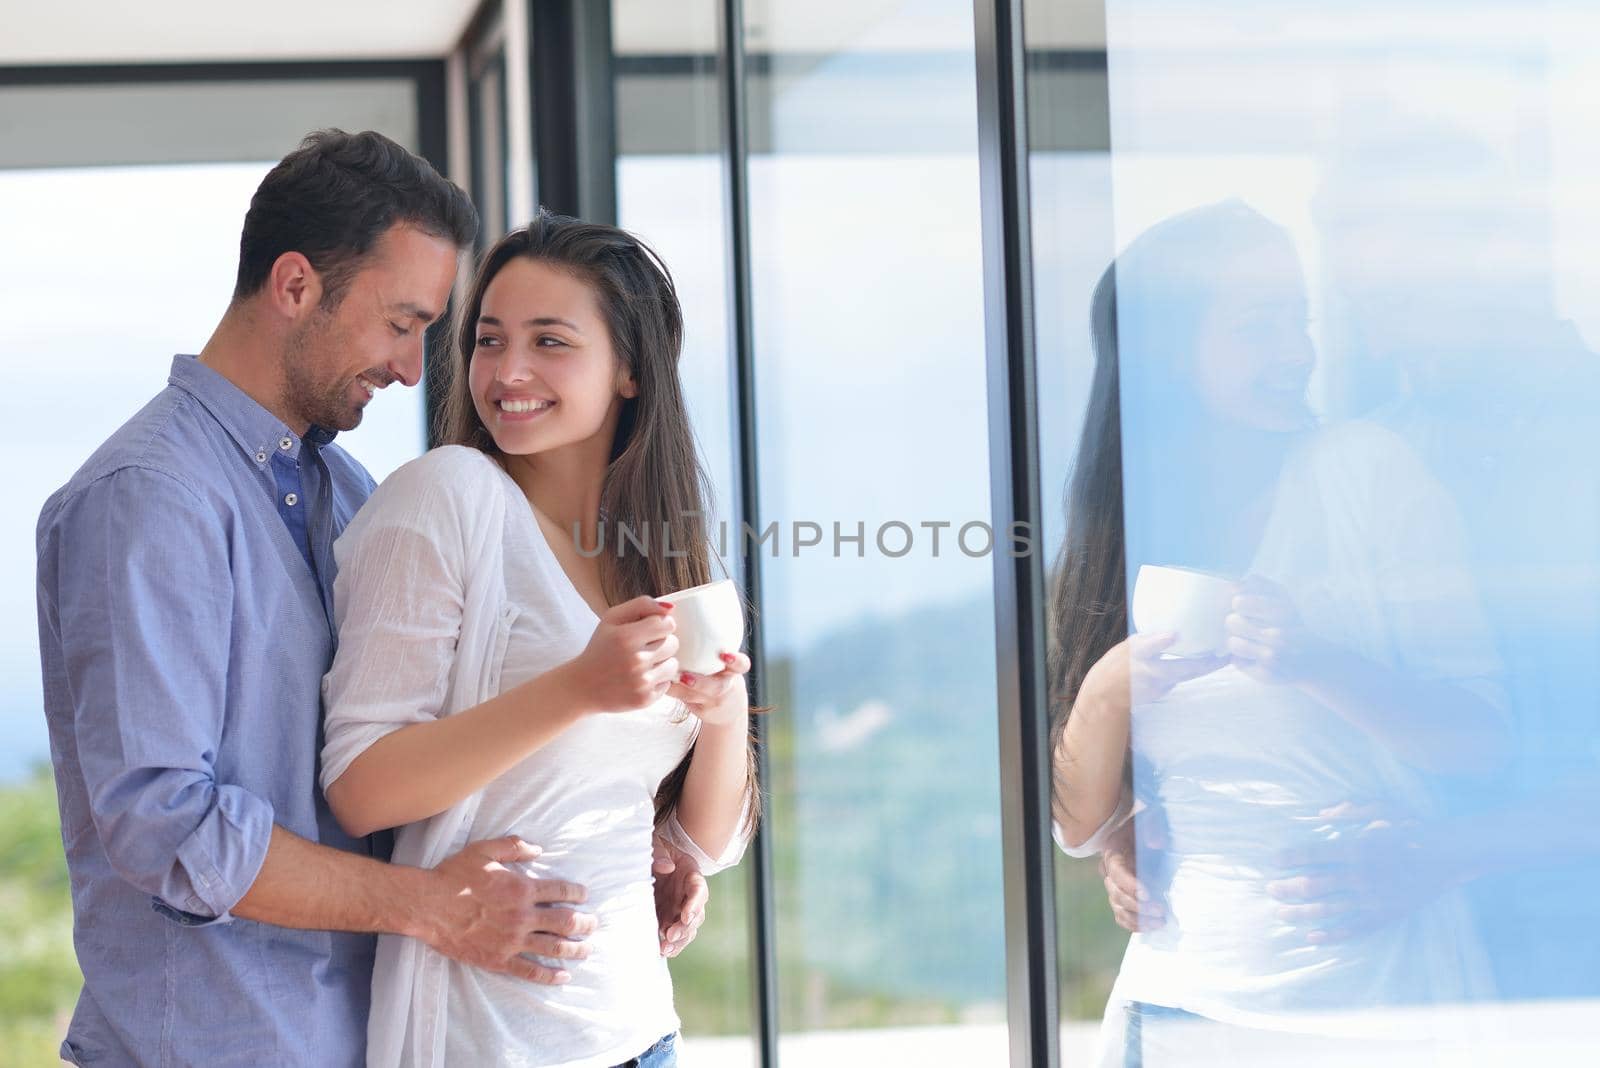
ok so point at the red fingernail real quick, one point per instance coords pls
(664, 604)
(686, 678)
(726, 656)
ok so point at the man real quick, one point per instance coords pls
(185, 604)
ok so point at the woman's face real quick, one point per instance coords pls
(543, 372)
(1253, 355)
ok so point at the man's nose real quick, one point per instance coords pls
(408, 367)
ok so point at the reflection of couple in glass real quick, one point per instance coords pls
(1344, 667)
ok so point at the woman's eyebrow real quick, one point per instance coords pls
(543, 320)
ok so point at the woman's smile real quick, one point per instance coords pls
(522, 409)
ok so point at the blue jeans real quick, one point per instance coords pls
(663, 1054)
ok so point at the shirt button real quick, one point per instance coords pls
(286, 444)
(261, 457)
(291, 499)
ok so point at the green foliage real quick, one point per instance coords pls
(1089, 944)
(39, 976)
(711, 979)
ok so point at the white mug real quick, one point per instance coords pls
(710, 621)
(1190, 603)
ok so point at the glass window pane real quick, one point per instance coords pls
(1324, 441)
(1069, 174)
(670, 191)
(868, 306)
(490, 164)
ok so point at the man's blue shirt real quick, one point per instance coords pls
(185, 598)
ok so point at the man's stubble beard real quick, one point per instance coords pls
(306, 394)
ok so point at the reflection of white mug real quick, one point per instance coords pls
(710, 622)
(1190, 603)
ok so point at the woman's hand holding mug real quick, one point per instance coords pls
(1152, 675)
(1134, 671)
(631, 659)
(716, 699)
(710, 627)
(1266, 638)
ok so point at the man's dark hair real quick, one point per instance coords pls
(331, 199)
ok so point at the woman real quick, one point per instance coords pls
(1356, 667)
(496, 674)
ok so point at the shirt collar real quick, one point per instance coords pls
(257, 431)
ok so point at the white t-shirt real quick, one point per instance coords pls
(587, 798)
(1367, 546)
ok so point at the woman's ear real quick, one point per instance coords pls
(627, 387)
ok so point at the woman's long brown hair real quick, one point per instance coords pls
(655, 481)
(1088, 605)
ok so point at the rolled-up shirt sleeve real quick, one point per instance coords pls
(671, 831)
(144, 604)
(1126, 809)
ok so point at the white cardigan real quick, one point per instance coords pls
(444, 513)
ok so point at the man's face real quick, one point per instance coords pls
(336, 360)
